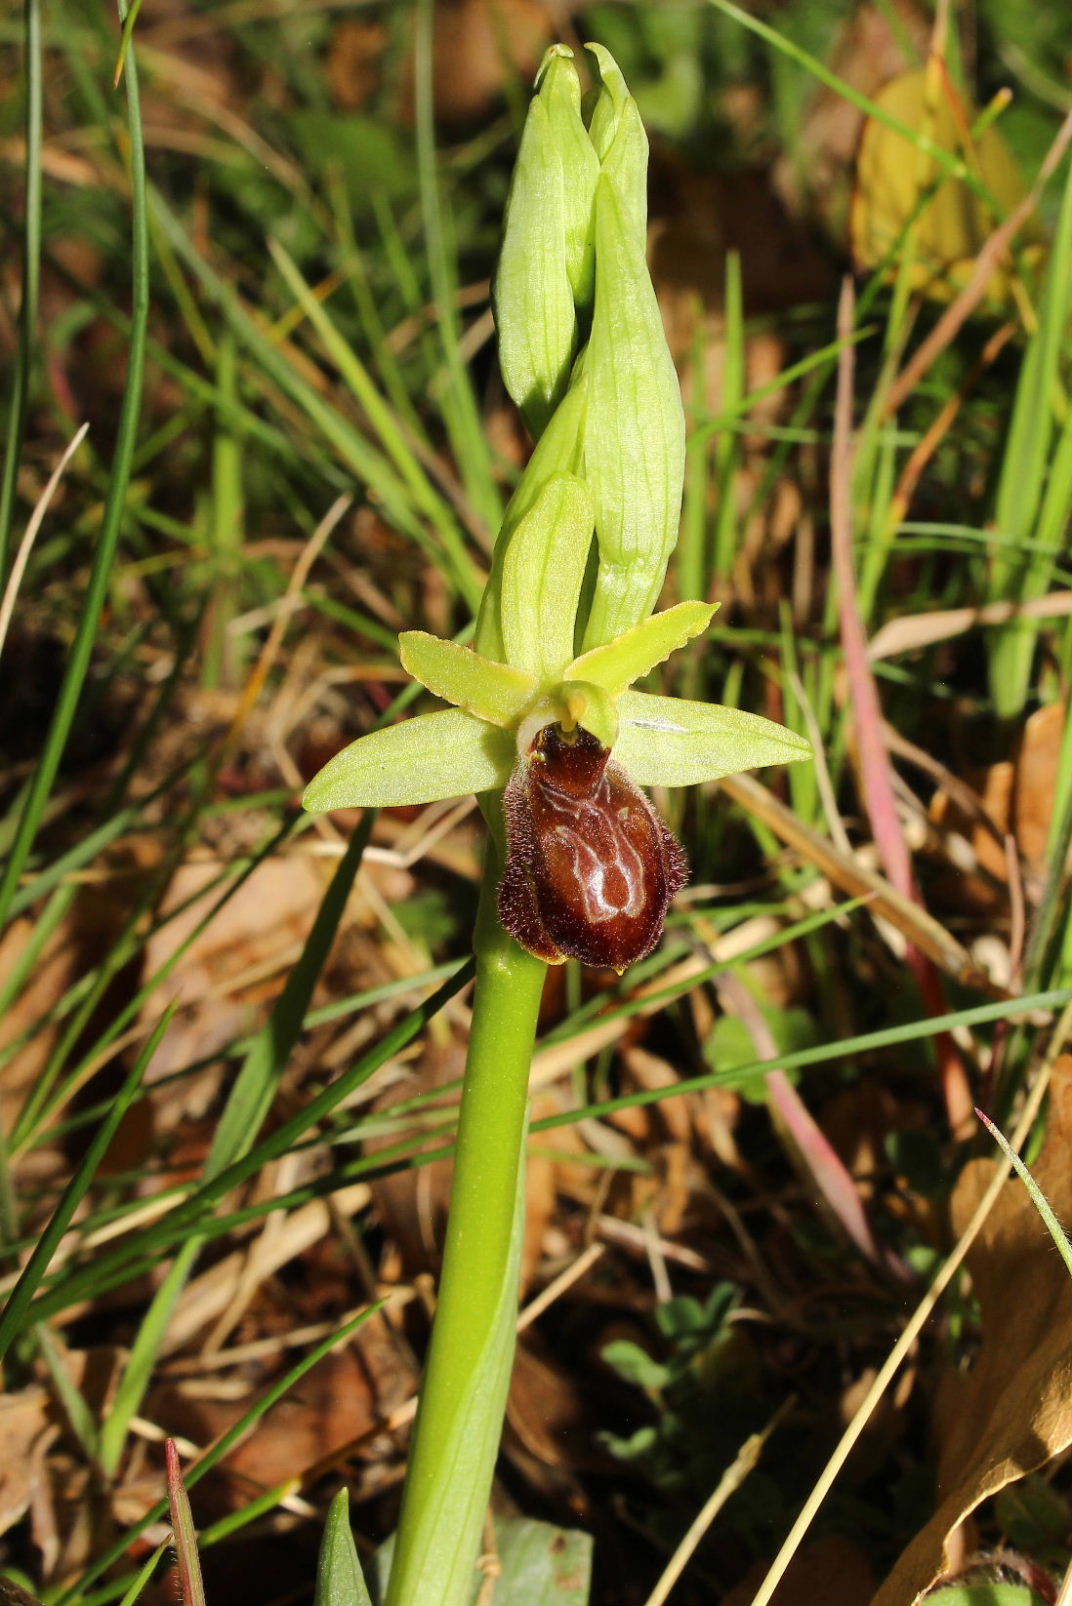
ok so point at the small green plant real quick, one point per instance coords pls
(543, 708)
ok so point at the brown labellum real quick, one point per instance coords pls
(590, 867)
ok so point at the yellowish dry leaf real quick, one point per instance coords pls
(892, 174)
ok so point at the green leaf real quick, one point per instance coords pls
(620, 662)
(338, 1574)
(669, 741)
(635, 1365)
(493, 692)
(430, 757)
(634, 441)
(985, 1595)
(541, 1565)
(543, 567)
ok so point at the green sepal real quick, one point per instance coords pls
(494, 692)
(542, 570)
(669, 741)
(619, 663)
(419, 761)
(634, 430)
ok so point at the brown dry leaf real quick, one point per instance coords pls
(548, 1411)
(1018, 796)
(25, 1431)
(1013, 1410)
(254, 937)
(86, 933)
(335, 1403)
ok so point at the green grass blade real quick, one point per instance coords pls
(247, 1104)
(425, 498)
(31, 272)
(1034, 495)
(96, 590)
(212, 1458)
(37, 1265)
(866, 1043)
(460, 411)
(110, 1267)
(185, 1534)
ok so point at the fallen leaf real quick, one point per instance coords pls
(1017, 794)
(25, 1431)
(1012, 1411)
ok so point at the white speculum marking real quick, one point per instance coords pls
(610, 886)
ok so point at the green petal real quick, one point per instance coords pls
(491, 691)
(423, 759)
(620, 662)
(668, 741)
(543, 568)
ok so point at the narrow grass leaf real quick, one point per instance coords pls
(111, 1268)
(22, 369)
(248, 1102)
(192, 1590)
(114, 510)
(1038, 1198)
(211, 1458)
(75, 1192)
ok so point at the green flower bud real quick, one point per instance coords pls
(620, 143)
(545, 267)
(634, 441)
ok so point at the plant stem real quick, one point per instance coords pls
(468, 1370)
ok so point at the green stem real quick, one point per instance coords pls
(468, 1371)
